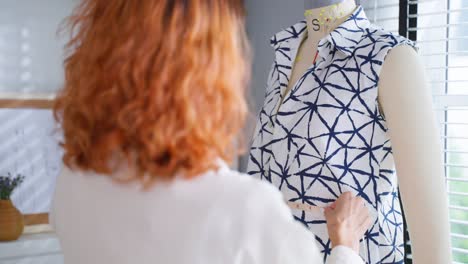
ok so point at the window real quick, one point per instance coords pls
(383, 13)
(30, 74)
(440, 30)
(439, 27)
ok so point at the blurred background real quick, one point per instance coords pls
(31, 73)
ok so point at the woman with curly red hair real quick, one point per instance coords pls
(150, 111)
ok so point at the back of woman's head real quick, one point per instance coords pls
(156, 84)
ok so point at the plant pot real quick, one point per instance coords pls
(11, 221)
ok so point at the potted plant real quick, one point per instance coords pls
(11, 220)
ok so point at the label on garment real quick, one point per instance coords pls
(316, 25)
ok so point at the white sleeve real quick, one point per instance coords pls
(344, 255)
(279, 238)
(301, 247)
(283, 239)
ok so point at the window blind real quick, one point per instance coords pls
(384, 13)
(440, 30)
(442, 37)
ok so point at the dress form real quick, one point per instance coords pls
(320, 22)
(406, 102)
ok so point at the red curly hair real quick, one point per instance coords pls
(158, 85)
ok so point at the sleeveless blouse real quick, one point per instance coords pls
(328, 136)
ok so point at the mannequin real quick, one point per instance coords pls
(406, 102)
(318, 27)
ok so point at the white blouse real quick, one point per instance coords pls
(219, 217)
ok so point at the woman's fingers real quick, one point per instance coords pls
(347, 220)
(362, 214)
(346, 196)
(344, 202)
(327, 212)
(358, 203)
(364, 226)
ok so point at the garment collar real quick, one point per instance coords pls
(343, 38)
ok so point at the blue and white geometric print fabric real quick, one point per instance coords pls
(329, 136)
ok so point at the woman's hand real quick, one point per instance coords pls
(347, 221)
